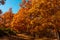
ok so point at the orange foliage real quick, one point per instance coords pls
(40, 14)
(7, 18)
(26, 4)
(35, 16)
(18, 20)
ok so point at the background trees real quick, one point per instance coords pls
(2, 2)
(36, 18)
(7, 18)
(41, 14)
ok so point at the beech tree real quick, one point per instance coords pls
(7, 17)
(41, 15)
(1, 2)
(19, 18)
(26, 4)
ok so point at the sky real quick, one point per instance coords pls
(14, 4)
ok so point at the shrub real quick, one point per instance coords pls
(6, 31)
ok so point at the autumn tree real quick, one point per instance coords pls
(7, 17)
(47, 10)
(19, 18)
(1, 2)
(58, 21)
(26, 4)
(1, 18)
(41, 16)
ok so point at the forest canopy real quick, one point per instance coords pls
(35, 17)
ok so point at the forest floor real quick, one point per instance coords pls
(23, 37)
